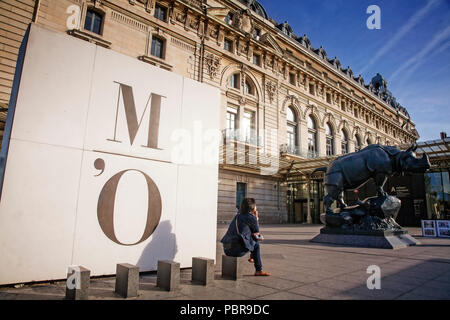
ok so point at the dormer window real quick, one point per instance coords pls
(256, 33)
(229, 18)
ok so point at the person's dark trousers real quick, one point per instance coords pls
(256, 256)
(238, 252)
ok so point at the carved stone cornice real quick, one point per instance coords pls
(89, 37)
(155, 61)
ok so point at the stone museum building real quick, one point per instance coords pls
(284, 103)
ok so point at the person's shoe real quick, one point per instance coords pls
(262, 273)
(251, 260)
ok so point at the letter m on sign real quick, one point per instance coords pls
(133, 123)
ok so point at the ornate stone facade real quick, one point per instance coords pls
(213, 40)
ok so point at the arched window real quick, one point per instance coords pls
(248, 88)
(291, 135)
(368, 142)
(290, 115)
(234, 81)
(357, 143)
(330, 139)
(311, 123)
(344, 142)
(312, 137)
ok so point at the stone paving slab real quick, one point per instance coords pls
(300, 270)
(285, 295)
(315, 291)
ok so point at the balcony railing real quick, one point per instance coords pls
(296, 151)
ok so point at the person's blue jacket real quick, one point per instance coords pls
(247, 224)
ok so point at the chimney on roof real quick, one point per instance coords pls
(443, 135)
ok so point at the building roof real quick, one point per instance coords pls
(256, 7)
(437, 150)
(377, 86)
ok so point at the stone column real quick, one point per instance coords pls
(337, 143)
(351, 145)
(321, 142)
(303, 137)
(241, 118)
(308, 201)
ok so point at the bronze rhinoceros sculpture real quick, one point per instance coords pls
(376, 162)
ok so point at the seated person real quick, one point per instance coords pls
(243, 235)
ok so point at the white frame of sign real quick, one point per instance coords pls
(426, 228)
(114, 168)
(443, 228)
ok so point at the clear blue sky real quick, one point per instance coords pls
(411, 50)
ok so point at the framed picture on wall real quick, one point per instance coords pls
(443, 228)
(429, 228)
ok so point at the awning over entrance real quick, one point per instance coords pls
(246, 158)
(437, 150)
(294, 168)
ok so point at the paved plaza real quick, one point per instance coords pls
(301, 270)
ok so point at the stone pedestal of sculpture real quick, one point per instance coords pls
(370, 224)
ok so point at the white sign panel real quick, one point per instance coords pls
(89, 173)
(443, 228)
(429, 228)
